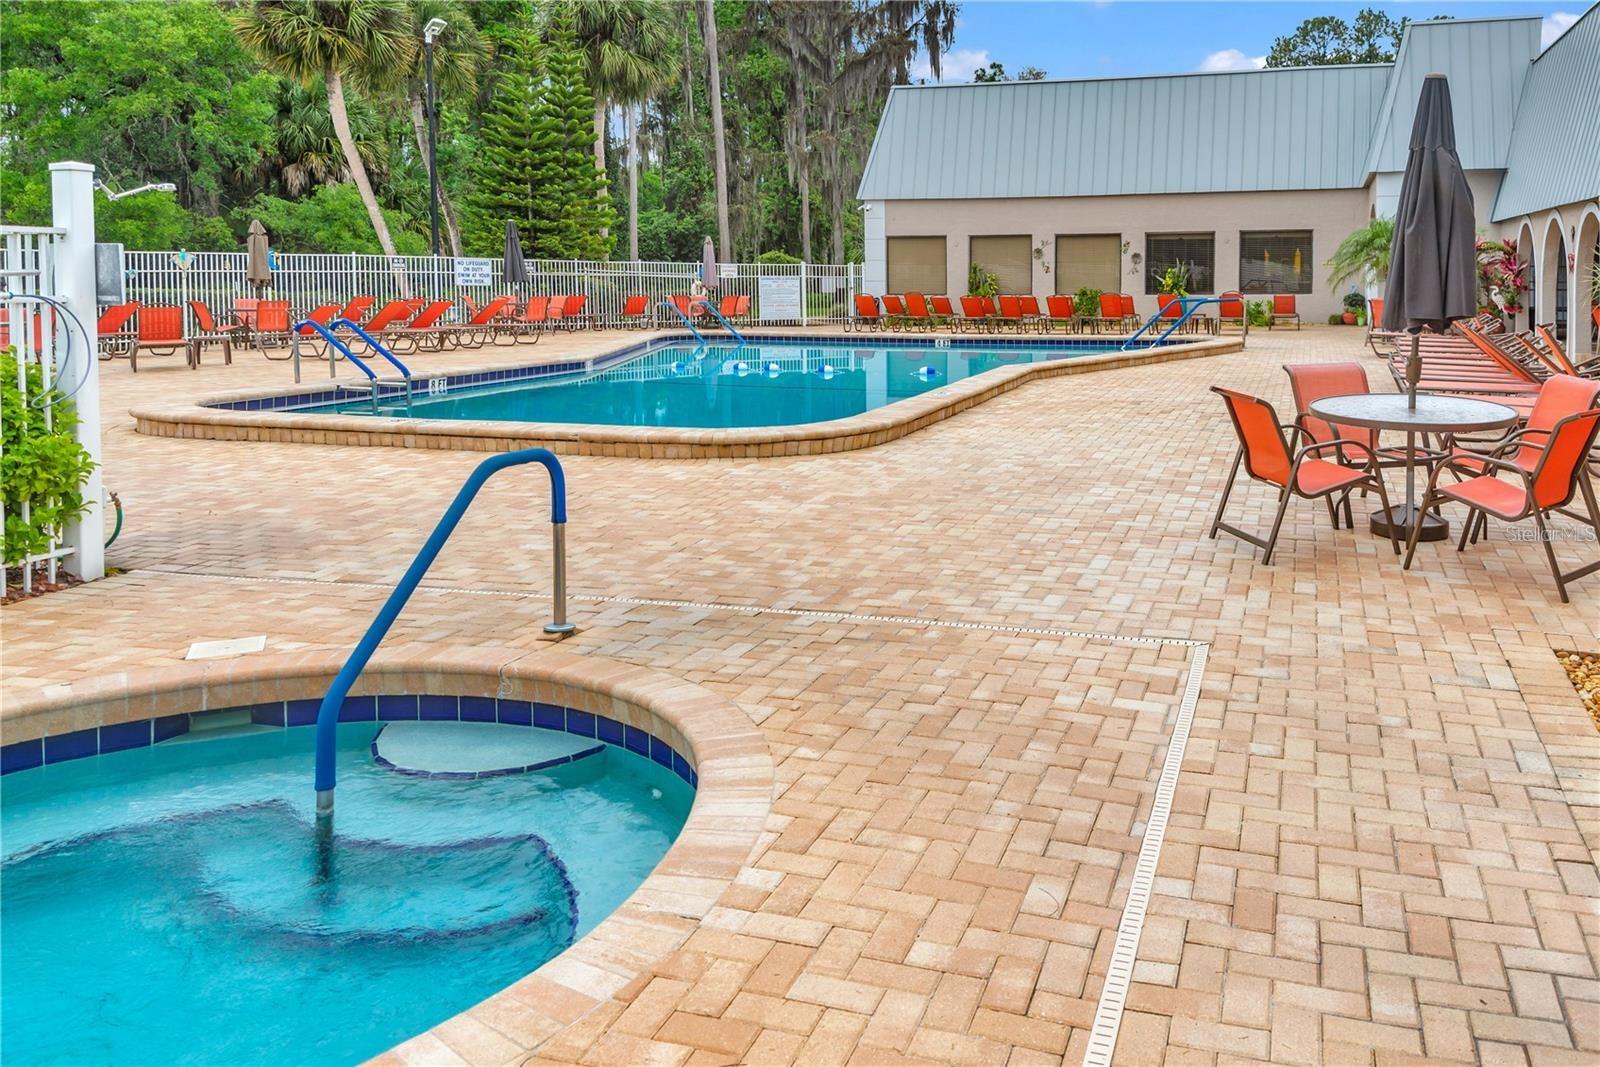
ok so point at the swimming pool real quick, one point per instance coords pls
(171, 904)
(773, 382)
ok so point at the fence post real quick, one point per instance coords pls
(72, 209)
(805, 302)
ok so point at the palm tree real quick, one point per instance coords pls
(456, 53)
(1364, 255)
(708, 30)
(306, 151)
(628, 48)
(332, 39)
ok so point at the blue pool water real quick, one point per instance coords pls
(170, 904)
(771, 383)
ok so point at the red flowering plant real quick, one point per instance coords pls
(1502, 274)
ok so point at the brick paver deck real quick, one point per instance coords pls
(1383, 839)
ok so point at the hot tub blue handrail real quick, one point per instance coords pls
(336, 343)
(373, 344)
(1190, 304)
(328, 713)
(679, 312)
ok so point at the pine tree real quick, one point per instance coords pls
(507, 179)
(570, 212)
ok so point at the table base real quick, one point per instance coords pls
(1433, 527)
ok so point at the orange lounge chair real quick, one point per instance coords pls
(867, 316)
(917, 312)
(1268, 456)
(894, 311)
(1130, 314)
(1283, 307)
(1231, 310)
(160, 333)
(943, 309)
(554, 310)
(271, 324)
(309, 338)
(423, 331)
(573, 315)
(975, 314)
(533, 321)
(112, 329)
(478, 329)
(1059, 305)
(356, 308)
(1032, 317)
(635, 311)
(1110, 312)
(211, 333)
(1546, 464)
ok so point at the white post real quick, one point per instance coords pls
(805, 305)
(72, 205)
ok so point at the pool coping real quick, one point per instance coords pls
(204, 419)
(736, 781)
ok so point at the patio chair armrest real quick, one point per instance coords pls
(1339, 443)
(1487, 461)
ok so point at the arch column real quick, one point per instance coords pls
(1581, 324)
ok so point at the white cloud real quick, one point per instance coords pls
(1554, 26)
(954, 66)
(1231, 59)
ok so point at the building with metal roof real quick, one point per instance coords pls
(1250, 179)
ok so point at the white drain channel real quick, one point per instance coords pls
(1119, 974)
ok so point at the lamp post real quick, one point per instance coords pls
(430, 33)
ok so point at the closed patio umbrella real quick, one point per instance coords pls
(1433, 265)
(708, 265)
(258, 257)
(516, 266)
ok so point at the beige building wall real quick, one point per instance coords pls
(1330, 214)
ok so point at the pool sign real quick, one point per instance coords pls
(474, 272)
(779, 299)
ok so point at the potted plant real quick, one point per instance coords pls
(1086, 303)
(1259, 312)
(981, 281)
(1502, 278)
(1355, 309)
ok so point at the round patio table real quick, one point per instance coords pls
(1433, 414)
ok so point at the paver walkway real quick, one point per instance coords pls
(1383, 837)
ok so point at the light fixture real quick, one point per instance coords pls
(432, 30)
(152, 187)
(430, 33)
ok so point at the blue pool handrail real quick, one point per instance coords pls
(328, 713)
(675, 309)
(726, 325)
(372, 343)
(1190, 304)
(336, 343)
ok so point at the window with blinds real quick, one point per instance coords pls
(1275, 261)
(917, 265)
(1196, 251)
(1009, 259)
(1089, 261)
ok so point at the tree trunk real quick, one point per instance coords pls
(419, 127)
(600, 109)
(838, 221)
(358, 172)
(632, 117)
(803, 188)
(714, 74)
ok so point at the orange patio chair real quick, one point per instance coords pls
(310, 340)
(271, 324)
(573, 313)
(918, 313)
(1031, 315)
(1270, 457)
(160, 333)
(112, 329)
(478, 329)
(635, 311)
(1110, 312)
(356, 308)
(1310, 382)
(553, 311)
(531, 323)
(1546, 463)
(1283, 307)
(1010, 312)
(894, 311)
(943, 309)
(423, 331)
(211, 333)
(1231, 310)
(1061, 312)
(974, 313)
(1130, 314)
(867, 316)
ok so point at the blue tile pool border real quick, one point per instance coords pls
(326, 399)
(141, 733)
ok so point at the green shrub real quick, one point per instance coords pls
(778, 256)
(1175, 280)
(1086, 302)
(1354, 301)
(1335, 320)
(1259, 312)
(41, 466)
(981, 282)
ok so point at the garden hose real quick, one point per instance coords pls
(116, 502)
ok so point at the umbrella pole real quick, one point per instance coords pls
(1413, 372)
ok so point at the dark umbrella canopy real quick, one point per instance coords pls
(1433, 265)
(516, 267)
(258, 262)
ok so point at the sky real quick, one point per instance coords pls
(1110, 37)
